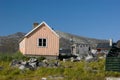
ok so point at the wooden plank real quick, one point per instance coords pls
(112, 64)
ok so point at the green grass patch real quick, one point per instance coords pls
(69, 70)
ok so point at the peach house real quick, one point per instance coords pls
(41, 41)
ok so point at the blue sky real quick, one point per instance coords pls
(90, 18)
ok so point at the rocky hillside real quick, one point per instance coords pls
(9, 44)
(67, 37)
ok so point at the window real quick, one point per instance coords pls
(42, 42)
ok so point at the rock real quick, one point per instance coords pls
(88, 58)
(57, 64)
(112, 78)
(43, 78)
(75, 59)
(15, 63)
(64, 60)
(53, 64)
(41, 64)
(56, 77)
(22, 67)
(72, 59)
(45, 61)
(32, 60)
(33, 64)
(1, 68)
(24, 63)
(78, 58)
(27, 65)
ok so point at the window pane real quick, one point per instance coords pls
(40, 42)
(44, 42)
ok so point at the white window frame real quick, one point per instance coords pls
(42, 42)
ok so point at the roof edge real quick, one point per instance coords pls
(43, 22)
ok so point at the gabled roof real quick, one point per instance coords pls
(40, 25)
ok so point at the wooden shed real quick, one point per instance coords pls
(41, 41)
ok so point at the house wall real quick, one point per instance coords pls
(74, 49)
(22, 46)
(52, 47)
(80, 49)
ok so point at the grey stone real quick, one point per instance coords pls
(15, 63)
(89, 58)
(22, 67)
(56, 77)
(1, 68)
(32, 60)
(43, 78)
(33, 64)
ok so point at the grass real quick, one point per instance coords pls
(10, 57)
(69, 70)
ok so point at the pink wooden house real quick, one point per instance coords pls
(41, 41)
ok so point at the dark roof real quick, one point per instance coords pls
(103, 45)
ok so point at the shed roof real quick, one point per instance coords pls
(103, 45)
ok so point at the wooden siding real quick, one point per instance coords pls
(31, 43)
(22, 46)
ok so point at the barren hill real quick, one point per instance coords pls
(10, 43)
(66, 37)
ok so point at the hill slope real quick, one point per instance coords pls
(66, 37)
(10, 43)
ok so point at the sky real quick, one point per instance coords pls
(98, 19)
